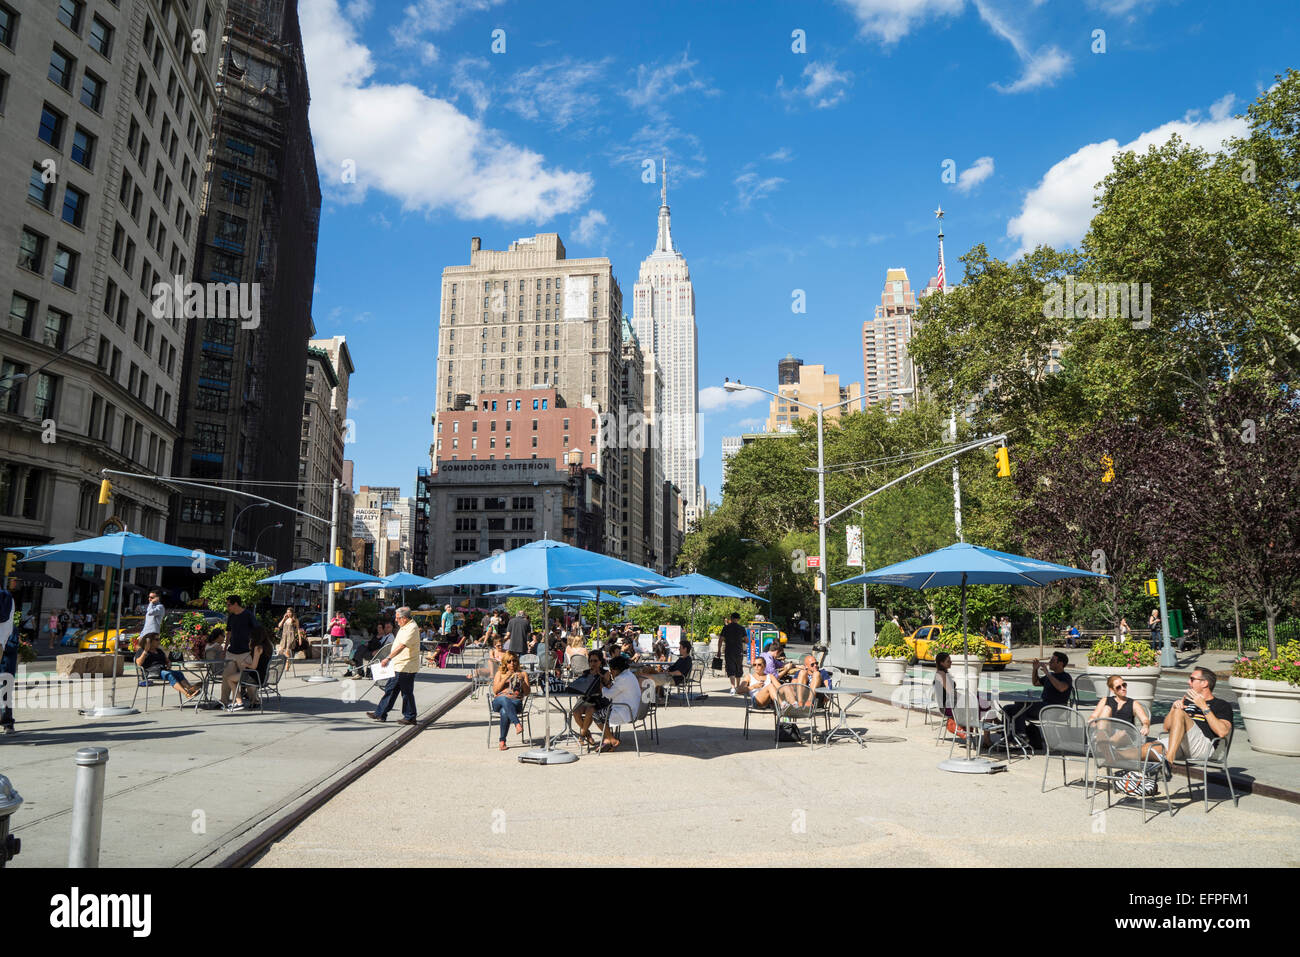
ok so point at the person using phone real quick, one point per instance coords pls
(1196, 721)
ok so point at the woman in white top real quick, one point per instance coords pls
(762, 687)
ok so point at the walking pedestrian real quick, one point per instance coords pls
(448, 621)
(405, 657)
(733, 648)
(518, 630)
(8, 660)
(1154, 624)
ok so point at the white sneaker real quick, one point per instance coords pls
(732, 692)
(237, 706)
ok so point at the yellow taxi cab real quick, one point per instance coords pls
(102, 639)
(762, 624)
(919, 641)
(432, 618)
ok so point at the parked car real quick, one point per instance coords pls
(104, 640)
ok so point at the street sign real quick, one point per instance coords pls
(814, 561)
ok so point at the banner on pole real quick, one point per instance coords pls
(854, 533)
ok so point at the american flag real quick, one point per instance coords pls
(941, 273)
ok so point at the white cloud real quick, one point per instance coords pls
(433, 16)
(825, 86)
(415, 147)
(561, 93)
(466, 80)
(686, 159)
(977, 173)
(382, 221)
(750, 187)
(751, 423)
(891, 20)
(783, 155)
(715, 397)
(1058, 210)
(658, 83)
(1042, 67)
(589, 226)
(428, 54)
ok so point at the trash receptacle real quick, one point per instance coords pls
(10, 801)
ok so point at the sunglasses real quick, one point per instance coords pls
(1119, 685)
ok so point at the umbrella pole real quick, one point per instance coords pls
(968, 764)
(546, 754)
(113, 711)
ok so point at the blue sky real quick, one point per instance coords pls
(788, 170)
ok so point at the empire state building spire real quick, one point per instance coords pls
(665, 243)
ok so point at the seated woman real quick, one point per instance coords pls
(1119, 705)
(945, 697)
(214, 649)
(261, 649)
(150, 655)
(488, 667)
(445, 644)
(760, 685)
(509, 689)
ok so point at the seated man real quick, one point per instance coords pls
(623, 692)
(151, 654)
(1195, 722)
(1056, 685)
(777, 666)
(812, 676)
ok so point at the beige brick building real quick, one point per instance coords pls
(814, 385)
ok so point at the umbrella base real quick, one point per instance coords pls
(545, 756)
(972, 765)
(107, 712)
(317, 679)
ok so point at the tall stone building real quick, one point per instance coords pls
(529, 317)
(813, 385)
(320, 448)
(106, 114)
(258, 225)
(887, 368)
(663, 316)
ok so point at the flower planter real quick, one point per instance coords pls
(965, 670)
(1141, 682)
(701, 649)
(1271, 711)
(891, 670)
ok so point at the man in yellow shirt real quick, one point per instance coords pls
(405, 657)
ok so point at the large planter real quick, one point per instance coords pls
(1141, 682)
(965, 670)
(1271, 711)
(892, 670)
(701, 649)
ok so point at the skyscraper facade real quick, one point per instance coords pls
(261, 209)
(107, 113)
(663, 317)
(887, 367)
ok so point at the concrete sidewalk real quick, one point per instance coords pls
(185, 788)
(708, 796)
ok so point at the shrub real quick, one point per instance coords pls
(890, 643)
(952, 642)
(1263, 667)
(189, 635)
(1108, 653)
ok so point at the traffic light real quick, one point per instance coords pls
(11, 565)
(105, 491)
(1153, 587)
(1109, 474)
(1004, 462)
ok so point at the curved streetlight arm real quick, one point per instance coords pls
(741, 387)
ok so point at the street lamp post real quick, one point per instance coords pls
(230, 548)
(258, 539)
(821, 411)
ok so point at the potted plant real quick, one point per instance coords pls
(26, 653)
(1268, 691)
(891, 654)
(969, 653)
(187, 637)
(700, 649)
(1135, 660)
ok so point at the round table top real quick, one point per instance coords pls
(1020, 696)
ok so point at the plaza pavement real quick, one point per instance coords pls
(706, 795)
(185, 788)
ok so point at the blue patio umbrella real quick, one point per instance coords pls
(398, 580)
(320, 573)
(120, 550)
(549, 566)
(963, 564)
(696, 585)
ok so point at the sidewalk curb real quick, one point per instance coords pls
(267, 834)
(1241, 785)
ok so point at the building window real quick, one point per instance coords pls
(38, 190)
(8, 26)
(56, 329)
(31, 251)
(83, 147)
(65, 267)
(61, 68)
(74, 206)
(70, 14)
(46, 389)
(101, 37)
(11, 394)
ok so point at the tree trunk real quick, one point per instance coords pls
(1270, 614)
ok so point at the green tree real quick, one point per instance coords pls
(236, 579)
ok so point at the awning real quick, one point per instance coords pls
(37, 578)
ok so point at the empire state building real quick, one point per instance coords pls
(663, 317)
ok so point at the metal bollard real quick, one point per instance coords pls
(10, 801)
(87, 807)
